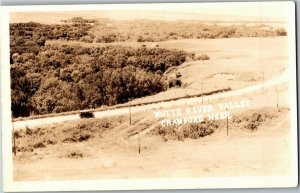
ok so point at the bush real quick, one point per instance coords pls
(203, 57)
(175, 82)
(39, 145)
(192, 131)
(77, 138)
(280, 32)
(253, 120)
(178, 75)
(75, 155)
(86, 39)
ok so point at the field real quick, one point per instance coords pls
(233, 63)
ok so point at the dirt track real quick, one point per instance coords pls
(44, 121)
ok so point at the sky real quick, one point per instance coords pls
(269, 10)
(230, 11)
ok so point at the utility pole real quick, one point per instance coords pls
(202, 92)
(227, 120)
(263, 82)
(277, 97)
(14, 139)
(130, 113)
(139, 142)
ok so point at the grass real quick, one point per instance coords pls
(250, 120)
(193, 131)
(78, 139)
(254, 119)
(81, 131)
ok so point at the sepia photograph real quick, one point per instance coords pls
(149, 96)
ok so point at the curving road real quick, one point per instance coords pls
(169, 104)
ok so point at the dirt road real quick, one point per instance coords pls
(44, 121)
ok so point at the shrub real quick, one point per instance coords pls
(140, 39)
(196, 131)
(39, 145)
(253, 120)
(75, 155)
(17, 134)
(203, 57)
(175, 82)
(280, 32)
(77, 137)
(28, 131)
(178, 75)
(86, 39)
(193, 131)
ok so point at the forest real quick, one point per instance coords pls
(59, 78)
(107, 31)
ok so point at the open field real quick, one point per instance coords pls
(233, 63)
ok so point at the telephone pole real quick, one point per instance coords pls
(227, 120)
(139, 143)
(277, 97)
(202, 92)
(263, 81)
(130, 113)
(14, 139)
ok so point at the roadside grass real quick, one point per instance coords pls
(81, 131)
(252, 120)
(249, 121)
(71, 139)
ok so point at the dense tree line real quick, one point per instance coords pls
(63, 78)
(106, 31)
(34, 35)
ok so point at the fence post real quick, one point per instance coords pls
(277, 99)
(227, 121)
(202, 92)
(14, 139)
(130, 113)
(139, 142)
(263, 82)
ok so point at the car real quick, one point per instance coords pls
(86, 114)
